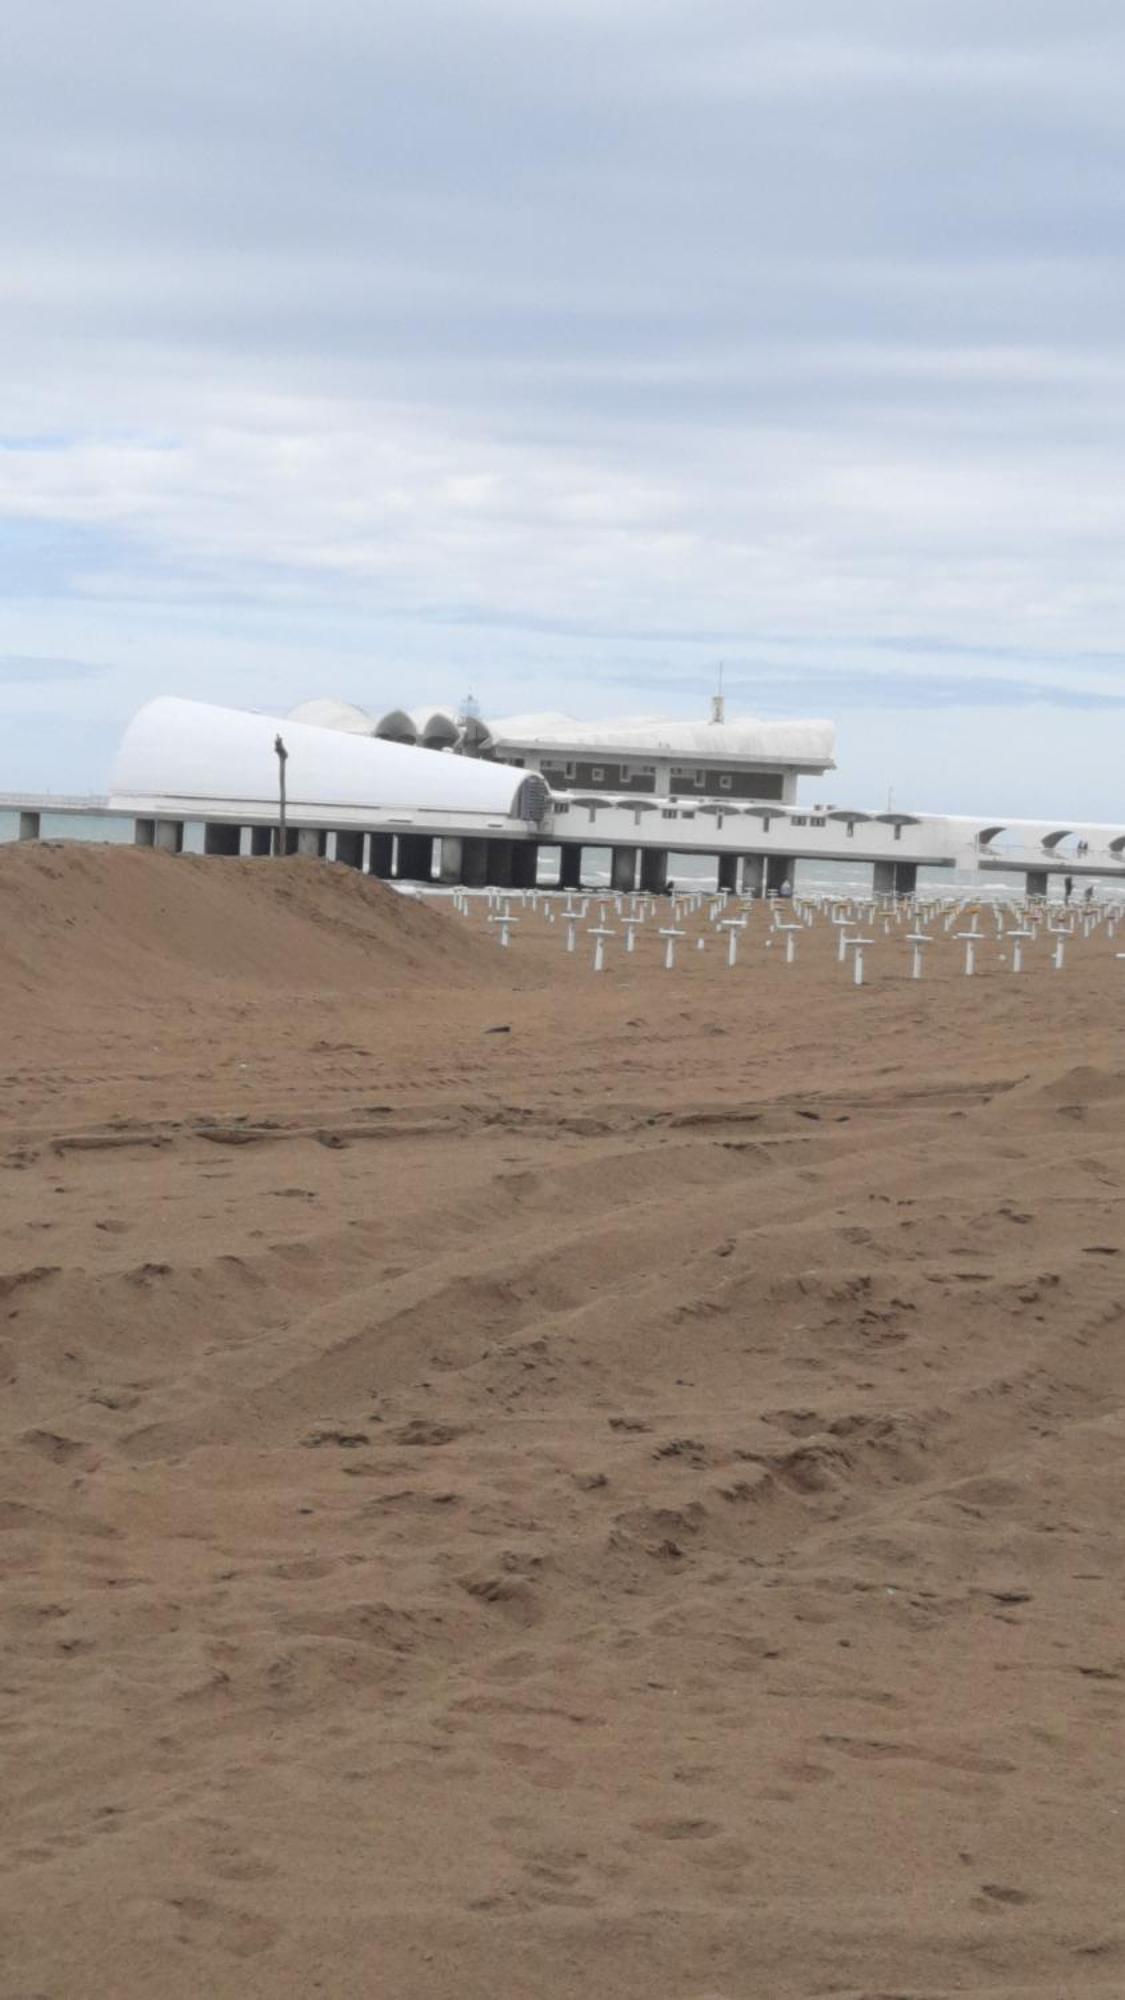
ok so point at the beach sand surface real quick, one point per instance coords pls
(524, 1484)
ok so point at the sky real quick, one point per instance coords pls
(560, 350)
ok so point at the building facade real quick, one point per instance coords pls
(664, 758)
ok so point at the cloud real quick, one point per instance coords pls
(769, 693)
(16, 670)
(560, 345)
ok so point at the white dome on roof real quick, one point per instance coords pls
(396, 726)
(436, 727)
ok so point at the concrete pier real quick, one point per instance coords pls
(654, 870)
(166, 834)
(525, 864)
(219, 837)
(895, 878)
(450, 858)
(570, 865)
(474, 863)
(349, 848)
(381, 856)
(415, 860)
(498, 864)
(753, 874)
(623, 870)
(755, 848)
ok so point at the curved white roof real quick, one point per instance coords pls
(192, 750)
(745, 739)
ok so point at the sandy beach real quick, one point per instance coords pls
(518, 1484)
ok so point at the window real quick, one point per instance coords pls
(799, 820)
(597, 774)
(725, 784)
(569, 770)
(699, 778)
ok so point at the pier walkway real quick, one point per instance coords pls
(757, 847)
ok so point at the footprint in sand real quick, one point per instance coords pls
(60, 1450)
(228, 1863)
(538, 1766)
(998, 1893)
(206, 1922)
(679, 1829)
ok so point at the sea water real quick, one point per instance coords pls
(114, 829)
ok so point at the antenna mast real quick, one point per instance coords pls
(718, 701)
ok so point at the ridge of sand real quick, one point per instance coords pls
(118, 921)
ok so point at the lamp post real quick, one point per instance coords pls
(282, 760)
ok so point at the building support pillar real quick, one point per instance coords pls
(381, 856)
(29, 826)
(499, 864)
(654, 870)
(570, 865)
(219, 837)
(780, 868)
(168, 836)
(623, 870)
(525, 864)
(1036, 882)
(450, 858)
(312, 842)
(349, 847)
(415, 857)
(753, 874)
(896, 878)
(474, 862)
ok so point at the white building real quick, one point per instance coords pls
(644, 786)
(663, 757)
(433, 793)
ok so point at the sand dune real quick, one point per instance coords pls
(630, 1506)
(123, 922)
